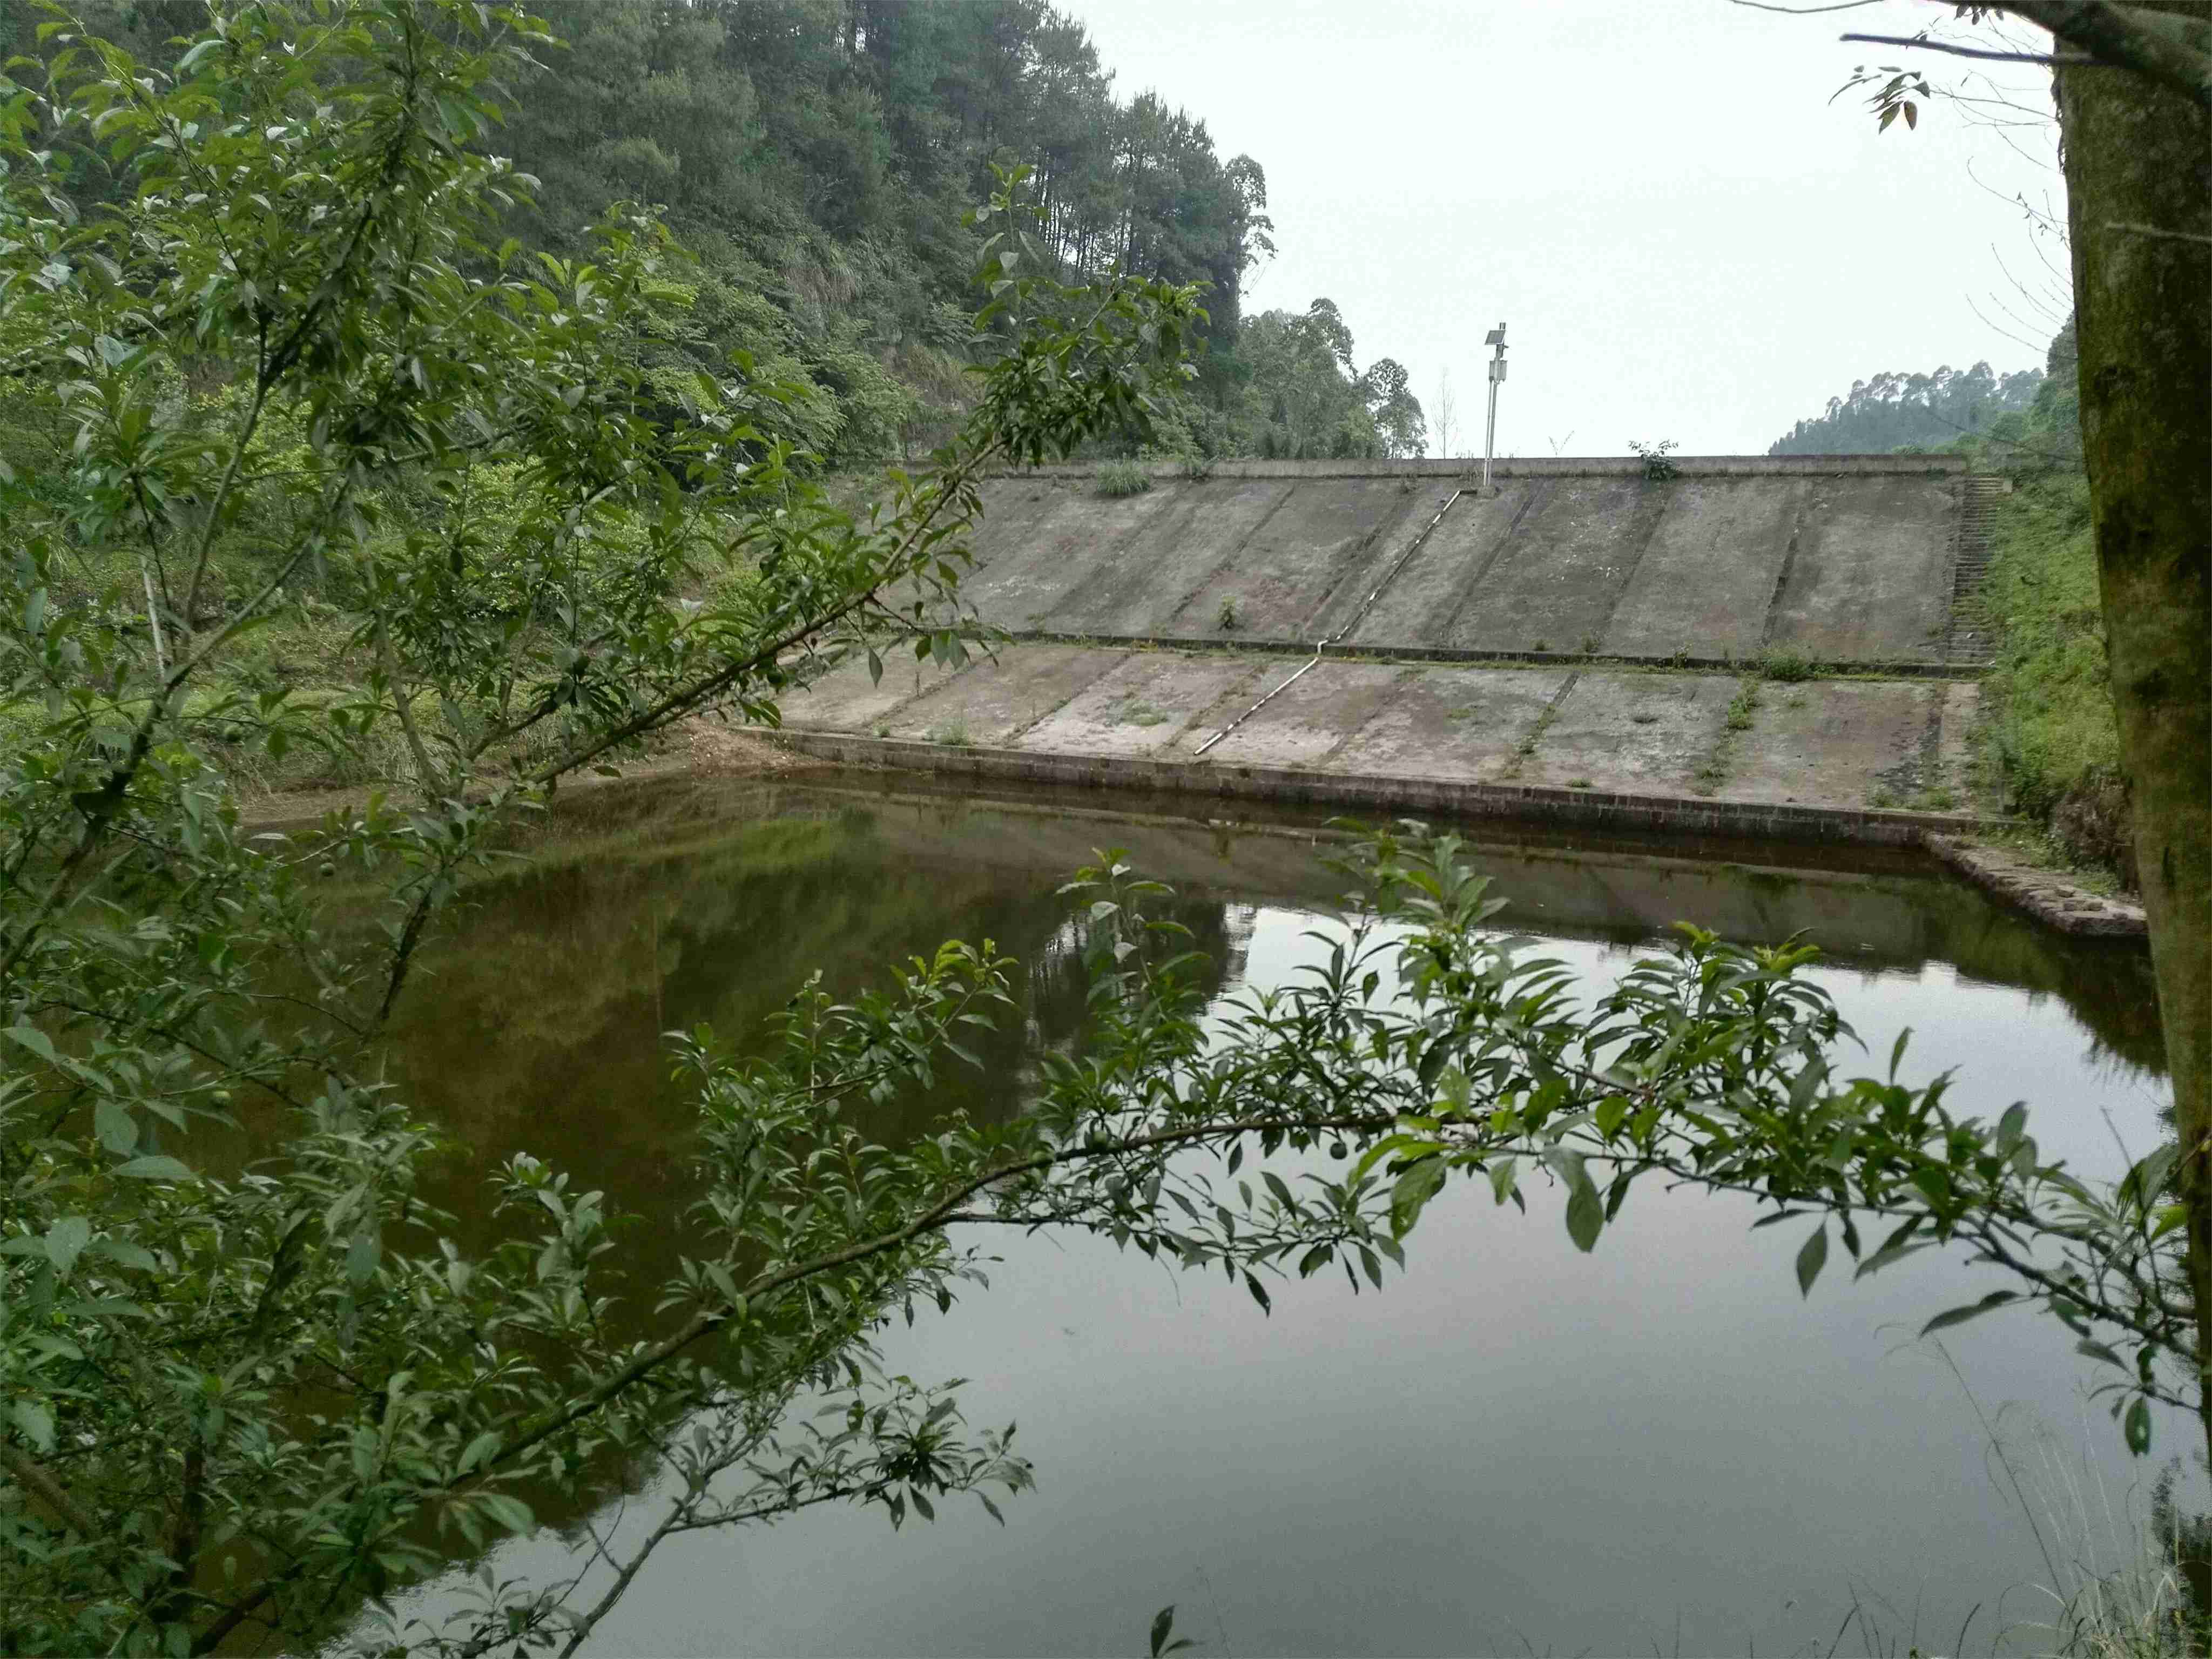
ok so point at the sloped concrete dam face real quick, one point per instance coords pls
(1579, 641)
(1839, 567)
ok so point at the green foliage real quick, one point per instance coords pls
(1785, 663)
(821, 161)
(1118, 478)
(1658, 463)
(1297, 396)
(1897, 411)
(2053, 734)
(282, 351)
(284, 369)
(1744, 705)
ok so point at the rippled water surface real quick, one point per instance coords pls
(1515, 1449)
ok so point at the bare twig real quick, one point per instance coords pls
(1922, 43)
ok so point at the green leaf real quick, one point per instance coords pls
(1259, 1293)
(479, 1448)
(508, 1511)
(116, 1129)
(155, 1168)
(1585, 1216)
(1411, 1195)
(1503, 1174)
(65, 1242)
(1811, 1258)
(35, 1040)
(1973, 1311)
(36, 1422)
(2137, 1427)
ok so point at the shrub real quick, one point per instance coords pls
(1785, 663)
(1658, 466)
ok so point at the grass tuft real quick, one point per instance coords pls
(1117, 479)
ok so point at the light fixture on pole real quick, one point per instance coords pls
(1496, 340)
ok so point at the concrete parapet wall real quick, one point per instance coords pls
(1589, 466)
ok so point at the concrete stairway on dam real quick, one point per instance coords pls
(1762, 644)
(1969, 644)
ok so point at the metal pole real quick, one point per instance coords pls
(1496, 340)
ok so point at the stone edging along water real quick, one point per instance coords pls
(2048, 898)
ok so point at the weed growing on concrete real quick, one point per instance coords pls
(1123, 479)
(1780, 662)
(953, 734)
(1744, 705)
(1579, 783)
(1658, 467)
(1542, 645)
(882, 730)
(1590, 643)
(1643, 718)
(1198, 468)
(1142, 713)
(1226, 621)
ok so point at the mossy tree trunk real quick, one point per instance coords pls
(2138, 161)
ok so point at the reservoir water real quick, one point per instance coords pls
(1514, 1448)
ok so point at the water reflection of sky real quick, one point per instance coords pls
(1515, 1448)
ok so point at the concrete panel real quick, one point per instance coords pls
(1144, 589)
(1416, 607)
(1460, 723)
(992, 701)
(1147, 700)
(1012, 510)
(1302, 724)
(1827, 741)
(1645, 733)
(1707, 577)
(1030, 572)
(1871, 580)
(1552, 586)
(1955, 742)
(1281, 578)
(847, 700)
(1386, 554)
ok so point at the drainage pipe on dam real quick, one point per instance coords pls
(1358, 617)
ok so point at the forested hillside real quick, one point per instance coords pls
(1898, 410)
(818, 157)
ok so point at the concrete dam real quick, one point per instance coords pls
(1766, 646)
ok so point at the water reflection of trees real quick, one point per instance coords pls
(538, 1024)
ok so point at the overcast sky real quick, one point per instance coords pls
(1684, 236)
